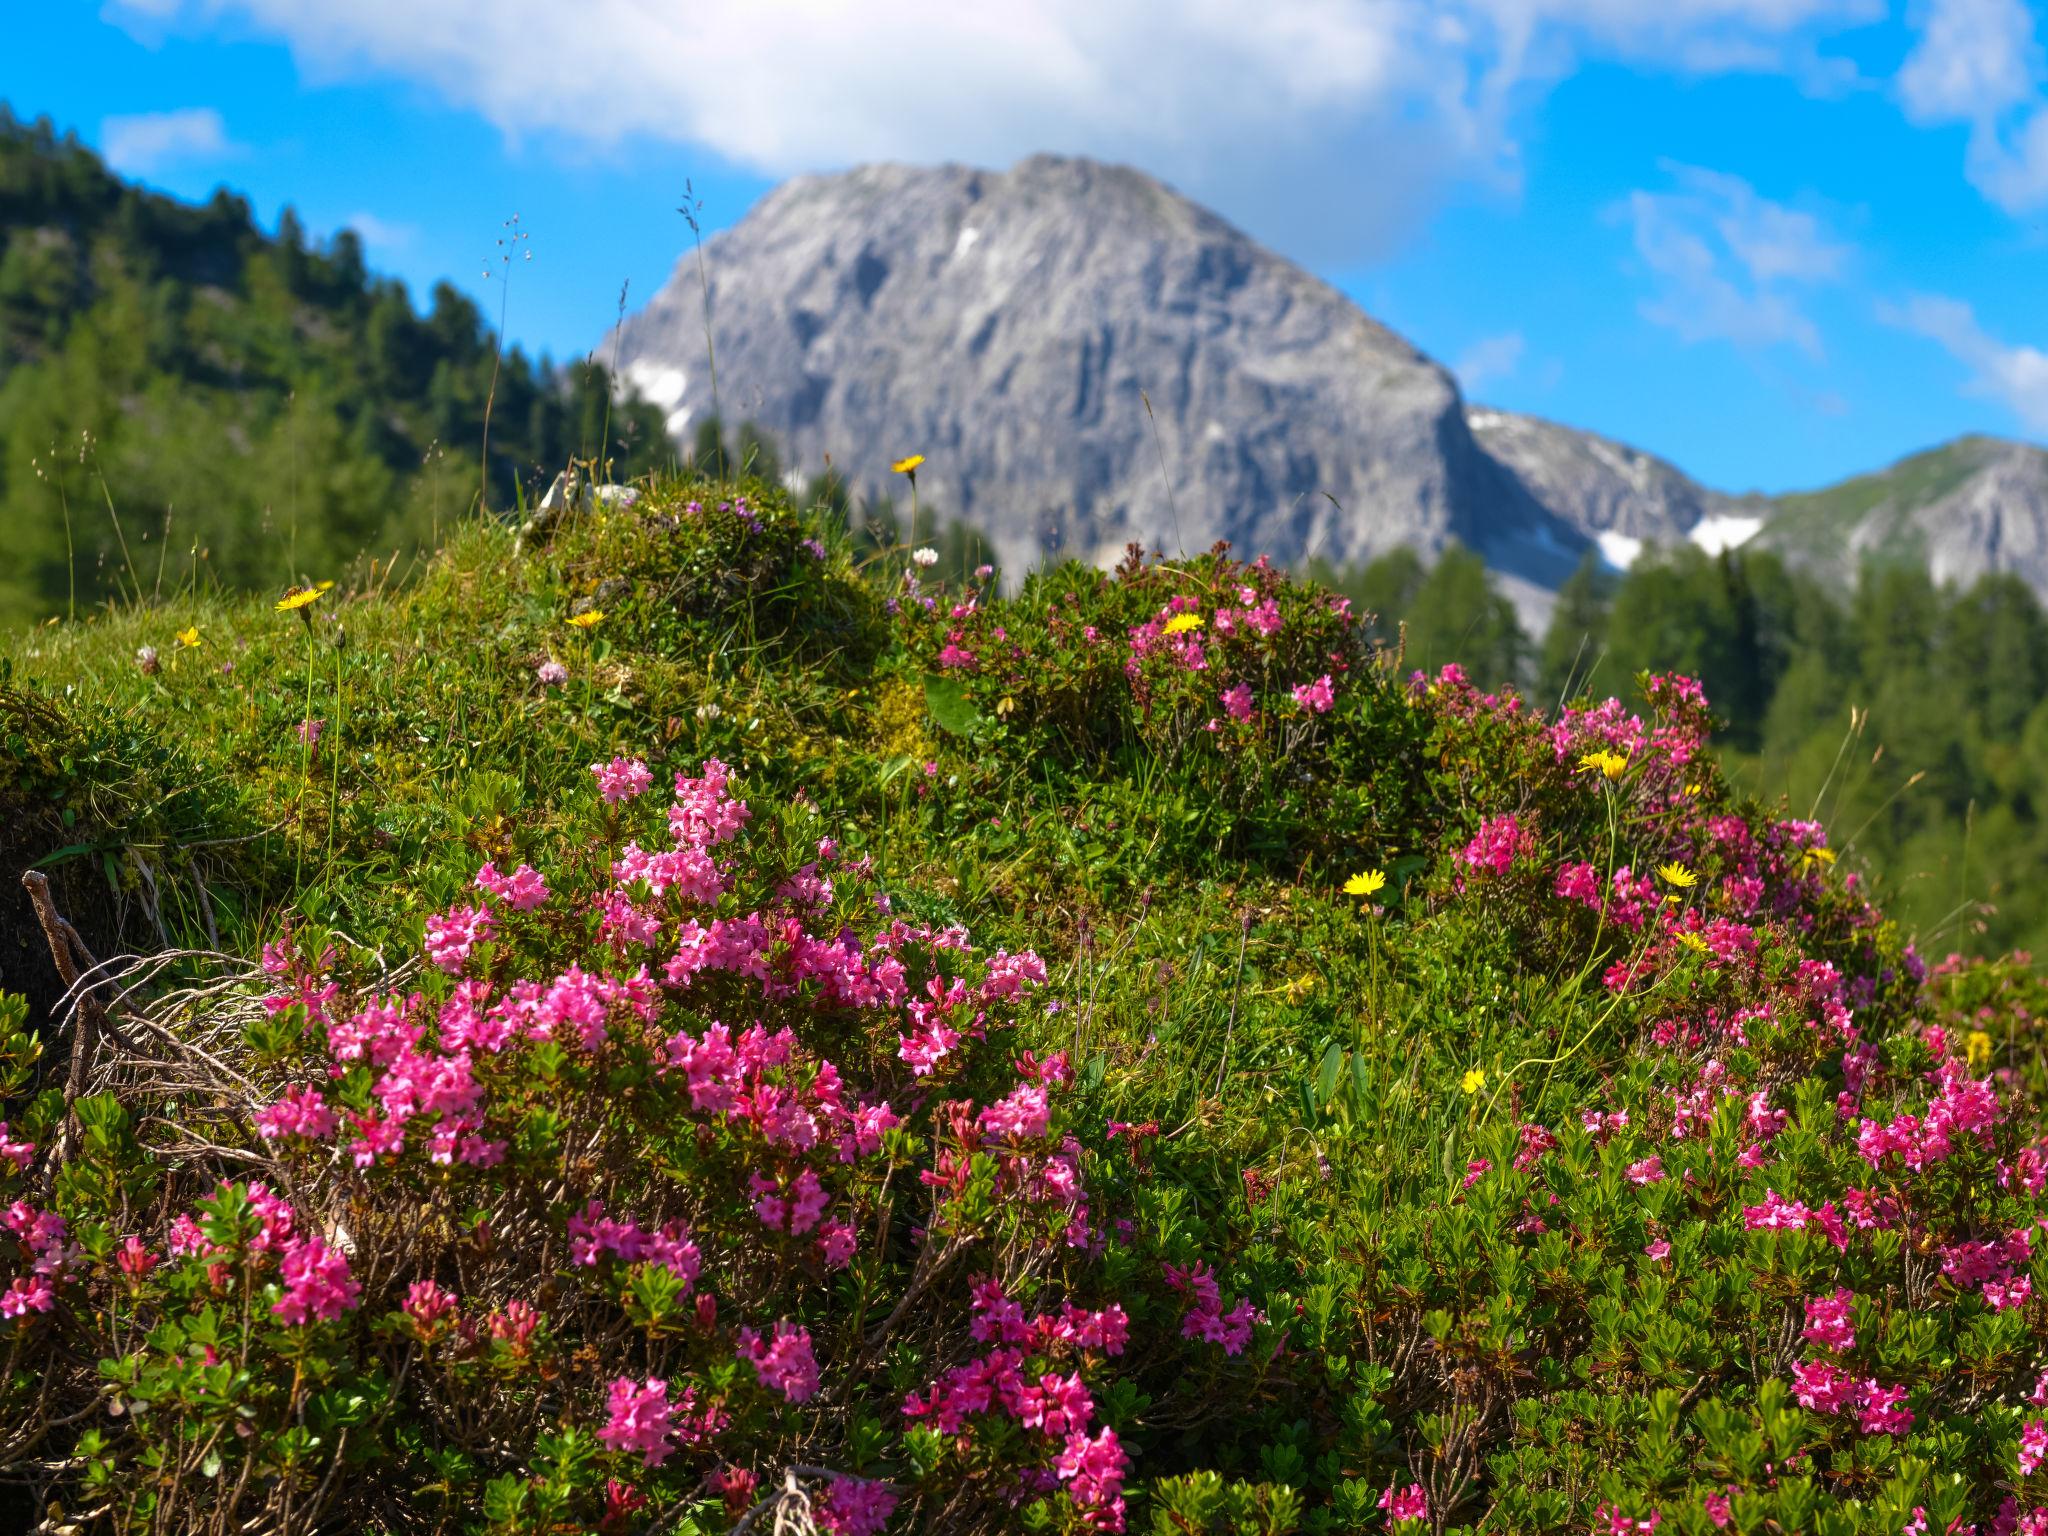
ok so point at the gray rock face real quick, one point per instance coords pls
(1010, 326)
(1615, 494)
(1970, 508)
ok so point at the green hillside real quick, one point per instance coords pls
(1815, 525)
(1229, 1086)
(187, 401)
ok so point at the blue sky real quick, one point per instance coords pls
(1776, 241)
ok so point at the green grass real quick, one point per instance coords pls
(442, 749)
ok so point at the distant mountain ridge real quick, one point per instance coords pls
(1048, 335)
(1013, 326)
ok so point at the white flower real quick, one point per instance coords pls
(708, 711)
(926, 556)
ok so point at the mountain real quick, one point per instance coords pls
(1012, 326)
(1970, 508)
(1623, 499)
(1087, 358)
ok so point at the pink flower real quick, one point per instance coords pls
(1237, 702)
(310, 731)
(522, 890)
(1093, 1470)
(1411, 1503)
(2033, 1445)
(783, 1361)
(837, 1244)
(301, 1112)
(18, 1153)
(854, 1506)
(133, 1259)
(426, 1303)
(1580, 883)
(1317, 696)
(452, 934)
(551, 673)
(317, 1284)
(1500, 841)
(28, 1293)
(1023, 1116)
(1884, 1410)
(1649, 1171)
(1828, 1321)
(639, 1420)
(1719, 1510)
(621, 779)
(1823, 1386)
(1658, 1251)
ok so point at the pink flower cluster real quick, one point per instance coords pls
(1316, 697)
(301, 1112)
(782, 1360)
(317, 1284)
(1829, 1321)
(641, 1420)
(1825, 1387)
(19, 1153)
(854, 1506)
(622, 779)
(44, 1237)
(1499, 842)
(1965, 1106)
(1410, 1503)
(1057, 1407)
(453, 934)
(593, 1235)
(523, 890)
(1205, 1318)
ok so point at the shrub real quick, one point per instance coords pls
(1493, 1123)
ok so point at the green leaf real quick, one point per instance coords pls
(946, 698)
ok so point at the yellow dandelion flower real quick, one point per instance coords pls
(1368, 884)
(189, 636)
(298, 598)
(1818, 856)
(587, 618)
(1181, 623)
(1979, 1046)
(1677, 874)
(1693, 942)
(907, 466)
(1473, 1080)
(1608, 764)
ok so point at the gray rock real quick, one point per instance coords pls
(1623, 499)
(1970, 508)
(1012, 326)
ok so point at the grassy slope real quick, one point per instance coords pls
(442, 749)
(1212, 972)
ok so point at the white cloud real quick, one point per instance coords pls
(1978, 63)
(149, 141)
(380, 234)
(1488, 359)
(1725, 263)
(1375, 104)
(2014, 375)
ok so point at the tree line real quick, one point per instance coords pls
(1912, 717)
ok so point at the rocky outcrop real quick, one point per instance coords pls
(1015, 327)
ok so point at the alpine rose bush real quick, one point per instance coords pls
(1610, 1164)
